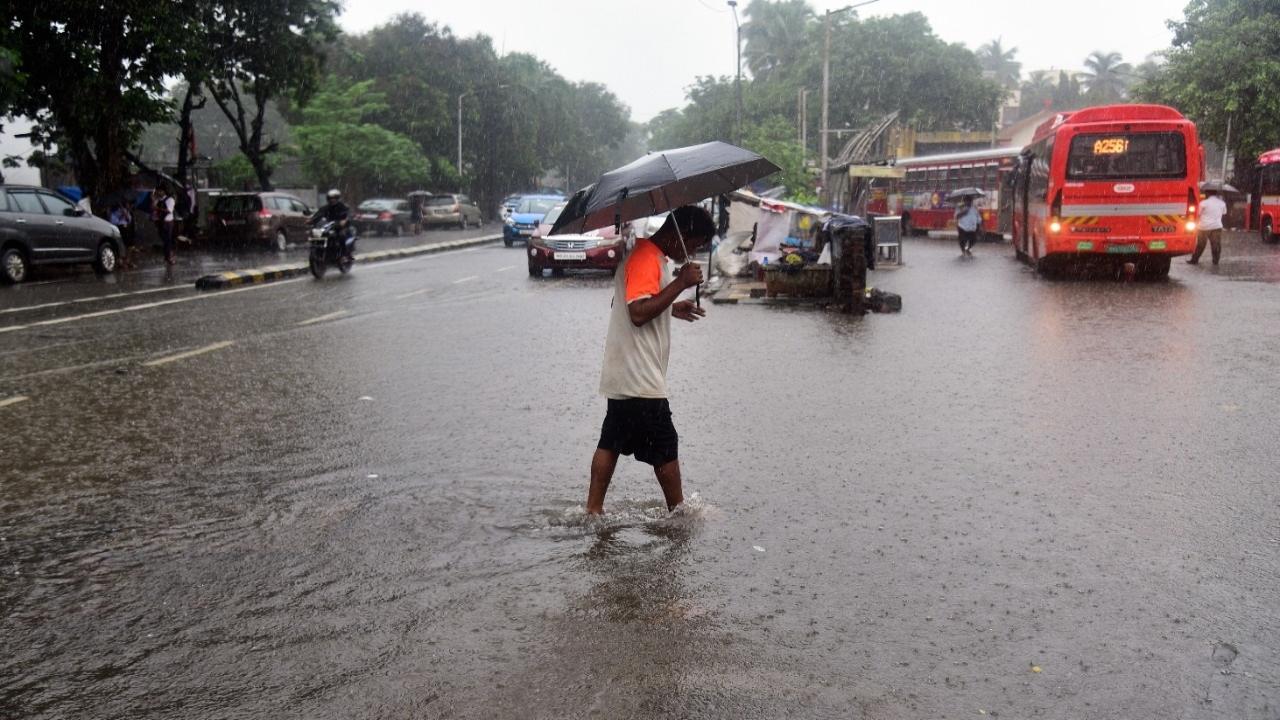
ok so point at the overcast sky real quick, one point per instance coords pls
(648, 52)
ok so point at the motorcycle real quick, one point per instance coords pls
(331, 246)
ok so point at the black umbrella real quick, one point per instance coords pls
(966, 193)
(659, 182)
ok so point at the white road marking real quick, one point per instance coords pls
(189, 353)
(96, 298)
(415, 293)
(504, 269)
(322, 318)
(146, 306)
(13, 400)
(469, 278)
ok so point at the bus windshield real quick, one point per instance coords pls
(1126, 156)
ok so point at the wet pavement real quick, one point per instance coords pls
(62, 283)
(361, 497)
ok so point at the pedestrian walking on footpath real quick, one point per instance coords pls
(1212, 209)
(968, 223)
(633, 379)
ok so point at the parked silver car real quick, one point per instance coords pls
(451, 210)
(41, 227)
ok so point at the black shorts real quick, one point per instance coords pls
(641, 427)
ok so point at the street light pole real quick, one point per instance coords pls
(737, 47)
(460, 138)
(824, 160)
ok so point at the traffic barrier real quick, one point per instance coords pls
(271, 273)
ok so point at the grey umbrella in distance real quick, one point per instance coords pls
(659, 182)
(965, 193)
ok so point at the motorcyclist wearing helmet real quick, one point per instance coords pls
(334, 210)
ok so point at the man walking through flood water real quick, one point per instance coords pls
(634, 377)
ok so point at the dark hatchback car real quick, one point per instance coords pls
(383, 216)
(40, 227)
(271, 219)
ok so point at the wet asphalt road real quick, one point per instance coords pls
(1019, 497)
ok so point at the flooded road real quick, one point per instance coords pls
(363, 497)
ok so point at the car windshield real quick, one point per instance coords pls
(441, 200)
(553, 214)
(378, 205)
(536, 206)
(229, 204)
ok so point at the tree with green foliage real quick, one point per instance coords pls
(775, 138)
(1037, 92)
(1224, 64)
(1002, 63)
(339, 147)
(520, 118)
(1106, 77)
(234, 173)
(90, 77)
(878, 66)
(261, 51)
(775, 34)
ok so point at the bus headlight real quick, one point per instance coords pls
(1055, 227)
(1191, 226)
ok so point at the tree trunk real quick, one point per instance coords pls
(186, 131)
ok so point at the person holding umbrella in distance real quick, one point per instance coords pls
(633, 379)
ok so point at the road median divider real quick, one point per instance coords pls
(271, 273)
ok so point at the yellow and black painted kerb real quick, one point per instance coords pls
(235, 278)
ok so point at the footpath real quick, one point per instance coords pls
(398, 249)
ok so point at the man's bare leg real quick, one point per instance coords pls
(669, 478)
(602, 465)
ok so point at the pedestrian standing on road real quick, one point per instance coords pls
(415, 213)
(123, 220)
(1212, 209)
(165, 214)
(634, 377)
(968, 223)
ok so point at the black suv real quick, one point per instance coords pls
(41, 227)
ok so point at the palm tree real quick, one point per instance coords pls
(776, 35)
(1000, 62)
(1037, 92)
(1106, 77)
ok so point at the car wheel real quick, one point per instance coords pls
(535, 271)
(1267, 235)
(13, 265)
(282, 241)
(106, 259)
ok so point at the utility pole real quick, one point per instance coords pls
(737, 46)
(824, 160)
(460, 138)
(1226, 150)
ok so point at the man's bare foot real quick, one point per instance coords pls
(595, 511)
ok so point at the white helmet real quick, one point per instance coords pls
(334, 194)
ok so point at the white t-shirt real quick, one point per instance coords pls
(1212, 209)
(635, 358)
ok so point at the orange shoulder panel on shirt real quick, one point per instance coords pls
(644, 271)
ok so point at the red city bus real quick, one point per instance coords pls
(920, 196)
(1264, 196)
(1108, 185)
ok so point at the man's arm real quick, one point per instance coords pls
(646, 309)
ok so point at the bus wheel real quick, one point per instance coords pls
(1048, 268)
(1267, 235)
